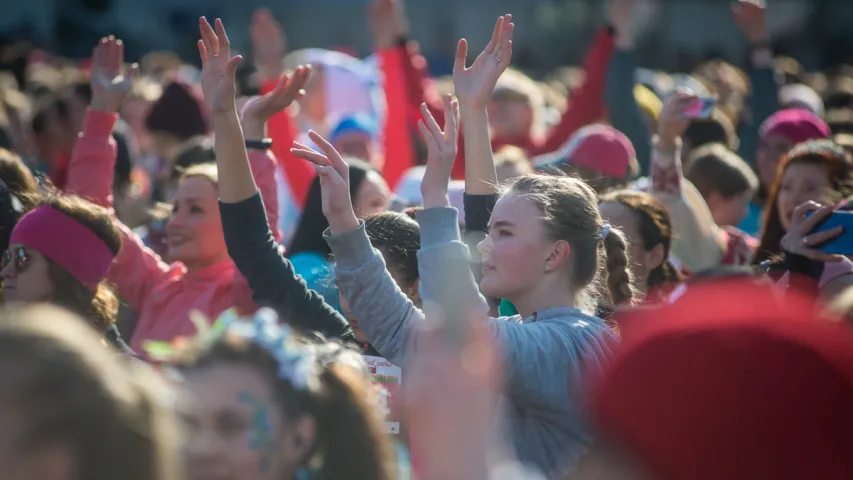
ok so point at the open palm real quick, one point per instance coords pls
(289, 88)
(109, 85)
(474, 84)
(218, 68)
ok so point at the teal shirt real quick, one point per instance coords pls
(752, 223)
(319, 274)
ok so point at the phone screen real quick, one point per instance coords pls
(701, 107)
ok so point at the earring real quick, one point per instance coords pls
(547, 268)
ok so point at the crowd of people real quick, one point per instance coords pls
(312, 266)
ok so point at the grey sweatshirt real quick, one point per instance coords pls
(549, 357)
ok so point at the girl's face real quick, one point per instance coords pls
(770, 152)
(373, 195)
(516, 249)
(411, 291)
(626, 220)
(237, 430)
(194, 232)
(802, 182)
(25, 275)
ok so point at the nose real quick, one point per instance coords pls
(8, 271)
(485, 247)
(176, 220)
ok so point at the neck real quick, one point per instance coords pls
(196, 265)
(533, 301)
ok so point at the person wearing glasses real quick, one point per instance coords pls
(59, 253)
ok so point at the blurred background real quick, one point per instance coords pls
(675, 34)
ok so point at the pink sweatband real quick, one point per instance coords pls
(65, 241)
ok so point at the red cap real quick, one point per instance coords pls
(597, 147)
(731, 381)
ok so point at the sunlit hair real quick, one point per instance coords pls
(838, 164)
(112, 414)
(570, 212)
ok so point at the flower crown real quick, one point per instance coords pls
(295, 363)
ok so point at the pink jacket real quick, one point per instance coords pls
(162, 294)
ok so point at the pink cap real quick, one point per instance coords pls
(597, 147)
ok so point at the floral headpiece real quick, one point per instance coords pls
(296, 364)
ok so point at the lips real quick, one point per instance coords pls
(176, 240)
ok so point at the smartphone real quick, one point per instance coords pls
(701, 107)
(843, 243)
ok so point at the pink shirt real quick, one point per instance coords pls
(162, 294)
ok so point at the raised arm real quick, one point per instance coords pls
(697, 240)
(250, 240)
(91, 171)
(443, 255)
(136, 269)
(383, 311)
(625, 114)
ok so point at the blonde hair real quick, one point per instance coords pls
(599, 266)
(206, 170)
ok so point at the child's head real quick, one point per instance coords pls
(704, 131)
(725, 181)
(645, 222)
(269, 405)
(397, 236)
(73, 408)
(511, 162)
(547, 239)
(817, 170)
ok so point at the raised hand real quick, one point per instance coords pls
(109, 85)
(257, 110)
(800, 241)
(620, 13)
(442, 147)
(218, 68)
(269, 44)
(387, 21)
(672, 123)
(474, 85)
(334, 182)
(751, 17)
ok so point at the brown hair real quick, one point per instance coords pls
(100, 307)
(714, 129)
(110, 412)
(655, 229)
(205, 170)
(825, 153)
(350, 440)
(570, 211)
(18, 178)
(714, 168)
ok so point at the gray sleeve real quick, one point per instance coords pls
(444, 262)
(383, 311)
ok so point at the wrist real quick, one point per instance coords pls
(254, 128)
(340, 224)
(103, 105)
(436, 199)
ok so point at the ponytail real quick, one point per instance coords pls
(350, 441)
(619, 280)
(663, 275)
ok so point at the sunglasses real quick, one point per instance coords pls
(18, 255)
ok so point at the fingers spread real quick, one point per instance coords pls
(430, 122)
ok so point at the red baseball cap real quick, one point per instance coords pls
(600, 148)
(732, 381)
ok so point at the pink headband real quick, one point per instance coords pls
(65, 241)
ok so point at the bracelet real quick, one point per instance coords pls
(262, 144)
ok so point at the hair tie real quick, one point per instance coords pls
(605, 230)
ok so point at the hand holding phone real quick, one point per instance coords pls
(700, 107)
(819, 233)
